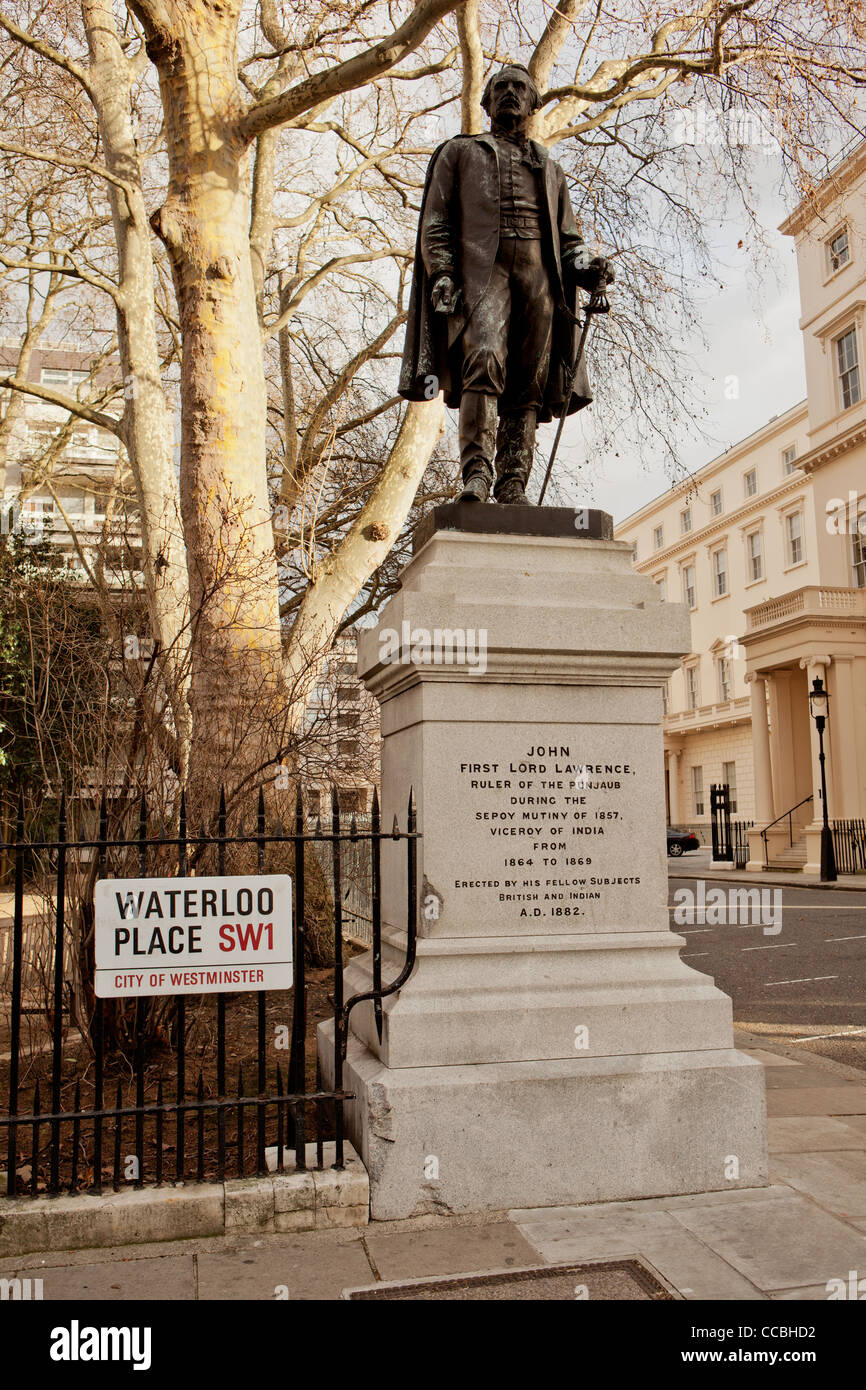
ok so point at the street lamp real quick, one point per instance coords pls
(818, 703)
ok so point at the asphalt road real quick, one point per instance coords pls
(797, 976)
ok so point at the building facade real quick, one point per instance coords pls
(67, 479)
(766, 545)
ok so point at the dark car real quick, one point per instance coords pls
(680, 841)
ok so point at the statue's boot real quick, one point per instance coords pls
(478, 416)
(515, 454)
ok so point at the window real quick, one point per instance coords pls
(838, 250)
(348, 748)
(754, 556)
(720, 573)
(716, 503)
(54, 376)
(658, 537)
(662, 586)
(858, 553)
(692, 693)
(789, 458)
(794, 537)
(848, 367)
(729, 775)
(724, 670)
(698, 790)
(353, 799)
(686, 521)
(689, 585)
(348, 721)
(750, 482)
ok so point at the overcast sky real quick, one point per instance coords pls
(758, 342)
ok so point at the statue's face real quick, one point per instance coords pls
(511, 99)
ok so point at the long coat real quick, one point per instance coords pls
(458, 235)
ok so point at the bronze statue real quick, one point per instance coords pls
(491, 316)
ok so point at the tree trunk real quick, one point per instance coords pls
(148, 424)
(205, 224)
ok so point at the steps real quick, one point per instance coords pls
(790, 860)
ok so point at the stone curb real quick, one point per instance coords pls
(285, 1201)
(773, 880)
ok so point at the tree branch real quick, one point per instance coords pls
(67, 403)
(45, 50)
(354, 72)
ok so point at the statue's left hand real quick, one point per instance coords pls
(603, 269)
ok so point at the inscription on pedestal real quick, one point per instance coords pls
(550, 836)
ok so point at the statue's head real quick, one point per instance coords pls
(511, 96)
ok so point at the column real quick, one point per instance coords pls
(842, 728)
(764, 809)
(674, 755)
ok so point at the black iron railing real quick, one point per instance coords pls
(849, 845)
(789, 815)
(76, 1139)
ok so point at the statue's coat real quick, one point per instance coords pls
(458, 235)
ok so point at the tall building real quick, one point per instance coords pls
(767, 547)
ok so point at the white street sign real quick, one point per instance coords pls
(193, 935)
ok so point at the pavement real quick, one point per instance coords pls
(787, 1241)
(698, 863)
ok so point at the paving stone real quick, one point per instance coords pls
(844, 1099)
(815, 1134)
(813, 1293)
(307, 1267)
(836, 1181)
(526, 1216)
(804, 1076)
(449, 1250)
(778, 1245)
(770, 1059)
(170, 1277)
(696, 1272)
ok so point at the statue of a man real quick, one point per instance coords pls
(491, 317)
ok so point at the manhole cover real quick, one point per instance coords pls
(620, 1280)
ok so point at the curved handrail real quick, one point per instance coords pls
(789, 814)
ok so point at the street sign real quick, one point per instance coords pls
(193, 935)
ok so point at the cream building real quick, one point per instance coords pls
(767, 547)
(69, 478)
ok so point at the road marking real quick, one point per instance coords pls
(778, 946)
(691, 955)
(806, 980)
(694, 931)
(846, 938)
(816, 1037)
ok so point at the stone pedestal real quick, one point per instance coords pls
(550, 1047)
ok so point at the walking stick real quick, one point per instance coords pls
(598, 304)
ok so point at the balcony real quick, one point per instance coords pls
(812, 602)
(712, 716)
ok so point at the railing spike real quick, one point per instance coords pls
(395, 831)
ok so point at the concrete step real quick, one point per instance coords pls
(791, 859)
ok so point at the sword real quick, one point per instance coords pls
(598, 304)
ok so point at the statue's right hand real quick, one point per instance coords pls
(444, 295)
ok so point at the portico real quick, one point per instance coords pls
(811, 632)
